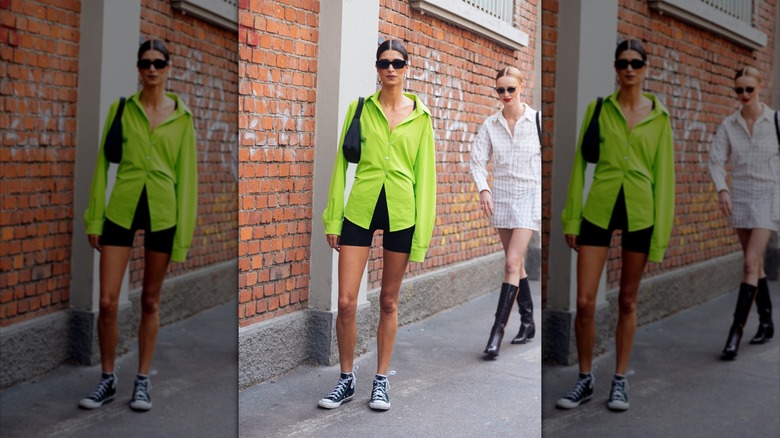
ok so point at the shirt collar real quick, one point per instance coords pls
(660, 108)
(528, 114)
(181, 107)
(767, 113)
(420, 107)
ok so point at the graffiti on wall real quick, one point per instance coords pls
(206, 95)
(681, 92)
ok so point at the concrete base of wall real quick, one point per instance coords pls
(274, 347)
(31, 348)
(659, 297)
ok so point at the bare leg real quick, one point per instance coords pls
(630, 277)
(113, 262)
(515, 242)
(155, 267)
(754, 242)
(393, 269)
(352, 261)
(590, 263)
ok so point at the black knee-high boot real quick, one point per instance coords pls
(766, 329)
(526, 308)
(505, 302)
(747, 293)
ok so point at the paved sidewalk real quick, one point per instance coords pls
(443, 386)
(193, 395)
(679, 386)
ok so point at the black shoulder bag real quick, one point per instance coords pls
(591, 143)
(113, 146)
(351, 144)
(777, 128)
(539, 126)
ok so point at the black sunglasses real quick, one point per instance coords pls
(740, 90)
(502, 90)
(146, 64)
(622, 64)
(397, 64)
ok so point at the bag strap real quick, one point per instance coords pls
(120, 109)
(777, 128)
(359, 109)
(597, 111)
(539, 126)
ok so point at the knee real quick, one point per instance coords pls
(586, 309)
(626, 306)
(150, 304)
(347, 308)
(752, 265)
(513, 266)
(108, 307)
(388, 305)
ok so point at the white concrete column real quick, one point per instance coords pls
(587, 32)
(348, 41)
(110, 31)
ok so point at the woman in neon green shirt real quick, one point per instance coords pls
(156, 190)
(632, 190)
(395, 191)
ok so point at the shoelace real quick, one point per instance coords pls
(103, 386)
(381, 387)
(141, 390)
(380, 390)
(340, 389)
(619, 390)
(579, 389)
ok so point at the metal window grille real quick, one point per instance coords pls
(740, 9)
(501, 9)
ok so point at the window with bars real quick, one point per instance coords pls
(501, 9)
(730, 19)
(492, 19)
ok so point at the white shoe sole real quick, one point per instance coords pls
(565, 403)
(379, 406)
(91, 404)
(140, 406)
(618, 406)
(327, 404)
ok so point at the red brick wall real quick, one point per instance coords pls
(549, 50)
(277, 47)
(205, 75)
(38, 86)
(453, 71)
(39, 48)
(691, 70)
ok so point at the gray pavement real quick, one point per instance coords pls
(678, 386)
(194, 393)
(443, 387)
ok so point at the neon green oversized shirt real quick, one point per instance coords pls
(165, 161)
(641, 161)
(404, 162)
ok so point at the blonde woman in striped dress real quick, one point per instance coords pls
(750, 139)
(511, 137)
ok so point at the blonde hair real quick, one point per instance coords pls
(749, 71)
(511, 72)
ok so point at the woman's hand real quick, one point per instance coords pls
(94, 241)
(571, 240)
(486, 202)
(333, 241)
(724, 201)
